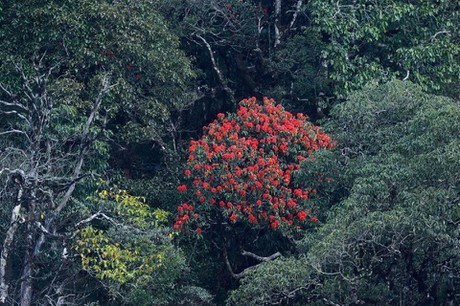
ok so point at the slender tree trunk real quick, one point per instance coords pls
(26, 285)
(26, 277)
(5, 251)
(296, 13)
(4, 261)
(219, 73)
(277, 21)
(14, 224)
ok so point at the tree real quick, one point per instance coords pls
(42, 168)
(251, 48)
(129, 39)
(241, 171)
(309, 55)
(392, 237)
(99, 100)
(128, 247)
(380, 40)
(248, 159)
(72, 74)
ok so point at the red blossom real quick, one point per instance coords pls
(302, 215)
(245, 162)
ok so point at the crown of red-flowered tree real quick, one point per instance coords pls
(241, 168)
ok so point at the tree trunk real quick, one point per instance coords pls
(26, 277)
(277, 22)
(26, 285)
(5, 250)
(14, 224)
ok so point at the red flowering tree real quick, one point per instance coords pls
(241, 168)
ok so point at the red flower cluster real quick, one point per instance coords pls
(242, 166)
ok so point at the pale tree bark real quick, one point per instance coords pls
(6, 247)
(277, 21)
(298, 6)
(26, 284)
(215, 67)
(262, 259)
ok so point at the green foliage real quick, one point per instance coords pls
(272, 283)
(62, 50)
(387, 196)
(378, 40)
(301, 79)
(393, 238)
(129, 39)
(241, 36)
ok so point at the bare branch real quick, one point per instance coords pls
(9, 93)
(13, 112)
(15, 131)
(249, 269)
(215, 67)
(261, 258)
(83, 145)
(14, 104)
(407, 75)
(97, 215)
(439, 33)
(296, 13)
(13, 171)
(229, 267)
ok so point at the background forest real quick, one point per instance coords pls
(131, 173)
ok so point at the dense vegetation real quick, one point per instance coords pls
(141, 162)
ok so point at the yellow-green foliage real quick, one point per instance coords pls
(109, 260)
(133, 208)
(104, 255)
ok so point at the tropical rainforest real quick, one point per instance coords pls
(230, 152)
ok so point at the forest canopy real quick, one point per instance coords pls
(229, 152)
